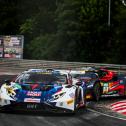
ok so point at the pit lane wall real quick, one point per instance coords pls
(19, 65)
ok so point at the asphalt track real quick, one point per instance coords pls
(85, 117)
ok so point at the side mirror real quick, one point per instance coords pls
(7, 82)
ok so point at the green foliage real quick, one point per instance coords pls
(43, 47)
(119, 35)
(80, 27)
(71, 30)
(8, 17)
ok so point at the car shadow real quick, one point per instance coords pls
(41, 113)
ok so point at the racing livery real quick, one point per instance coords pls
(102, 83)
(38, 89)
(92, 83)
(112, 83)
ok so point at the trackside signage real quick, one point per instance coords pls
(11, 46)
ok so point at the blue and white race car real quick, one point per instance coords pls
(38, 89)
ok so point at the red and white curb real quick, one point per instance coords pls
(119, 107)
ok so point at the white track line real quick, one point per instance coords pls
(106, 115)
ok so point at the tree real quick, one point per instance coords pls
(82, 30)
(119, 34)
(72, 30)
(39, 21)
(43, 47)
(8, 17)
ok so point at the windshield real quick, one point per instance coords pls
(75, 75)
(87, 74)
(40, 78)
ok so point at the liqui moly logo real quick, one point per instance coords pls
(34, 93)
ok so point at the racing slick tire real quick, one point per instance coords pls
(97, 91)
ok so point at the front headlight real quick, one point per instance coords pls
(57, 96)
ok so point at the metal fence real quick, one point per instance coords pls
(18, 65)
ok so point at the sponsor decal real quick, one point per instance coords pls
(17, 86)
(61, 104)
(32, 100)
(70, 101)
(72, 95)
(10, 92)
(105, 88)
(34, 93)
(88, 97)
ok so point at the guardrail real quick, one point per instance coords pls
(24, 64)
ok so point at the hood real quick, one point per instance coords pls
(36, 92)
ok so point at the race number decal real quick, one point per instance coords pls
(105, 88)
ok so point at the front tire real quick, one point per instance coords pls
(97, 91)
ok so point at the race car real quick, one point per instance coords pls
(112, 83)
(106, 75)
(43, 90)
(92, 83)
(106, 83)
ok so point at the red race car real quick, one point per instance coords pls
(112, 83)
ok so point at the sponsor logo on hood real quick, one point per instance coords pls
(34, 93)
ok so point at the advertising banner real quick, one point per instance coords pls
(12, 46)
(1, 47)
